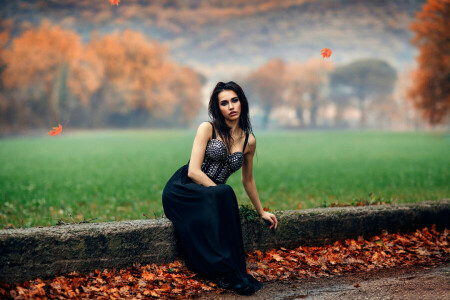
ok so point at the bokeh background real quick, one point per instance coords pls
(131, 83)
(154, 63)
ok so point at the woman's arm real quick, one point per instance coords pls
(204, 132)
(250, 186)
(247, 175)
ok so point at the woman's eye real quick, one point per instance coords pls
(234, 101)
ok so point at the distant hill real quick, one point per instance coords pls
(240, 34)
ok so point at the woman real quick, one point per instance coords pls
(202, 207)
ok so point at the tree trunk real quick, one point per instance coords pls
(299, 113)
(313, 111)
(95, 110)
(267, 111)
(362, 109)
(339, 117)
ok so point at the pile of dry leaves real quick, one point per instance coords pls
(174, 280)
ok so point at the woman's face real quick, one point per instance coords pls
(229, 104)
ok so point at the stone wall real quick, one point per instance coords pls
(45, 252)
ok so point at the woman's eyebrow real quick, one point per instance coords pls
(227, 100)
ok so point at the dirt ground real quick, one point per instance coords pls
(407, 282)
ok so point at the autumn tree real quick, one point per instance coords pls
(186, 85)
(295, 90)
(140, 81)
(305, 83)
(86, 76)
(267, 84)
(396, 110)
(118, 79)
(410, 116)
(430, 93)
(37, 66)
(130, 67)
(365, 79)
(5, 107)
(341, 96)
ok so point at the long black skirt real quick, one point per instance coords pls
(208, 227)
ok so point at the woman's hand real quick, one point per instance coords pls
(271, 218)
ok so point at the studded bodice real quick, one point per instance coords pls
(217, 164)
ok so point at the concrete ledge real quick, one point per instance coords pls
(45, 252)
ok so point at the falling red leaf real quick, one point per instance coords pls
(56, 131)
(326, 52)
(266, 209)
(114, 2)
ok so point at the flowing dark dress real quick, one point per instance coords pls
(206, 219)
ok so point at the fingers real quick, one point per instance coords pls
(271, 221)
(274, 221)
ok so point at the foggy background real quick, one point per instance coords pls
(153, 64)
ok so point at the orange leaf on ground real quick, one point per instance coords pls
(171, 280)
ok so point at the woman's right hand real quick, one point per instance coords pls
(271, 218)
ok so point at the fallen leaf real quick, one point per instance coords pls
(379, 242)
(174, 279)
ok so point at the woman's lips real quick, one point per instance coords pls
(233, 113)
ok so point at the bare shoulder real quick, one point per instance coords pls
(251, 139)
(251, 143)
(204, 125)
(205, 128)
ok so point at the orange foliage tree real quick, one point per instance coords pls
(430, 92)
(139, 80)
(35, 64)
(267, 84)
(186, 85)
(401, 112)
(304, 86)
(295, 92)
(4, 105)
(86, 76)
(118, 79)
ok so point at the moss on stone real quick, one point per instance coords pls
(114, 244)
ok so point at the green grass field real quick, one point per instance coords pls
(120, 175)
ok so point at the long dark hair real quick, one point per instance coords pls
(218, 119)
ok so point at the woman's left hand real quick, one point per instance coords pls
(271, 218)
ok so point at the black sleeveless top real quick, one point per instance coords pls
(217, 164)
